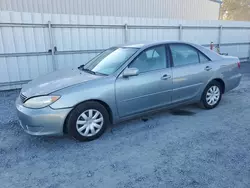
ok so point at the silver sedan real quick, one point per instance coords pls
(125, 82)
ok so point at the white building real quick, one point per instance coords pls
(173, 9)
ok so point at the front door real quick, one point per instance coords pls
(191, 71)
(150, 89)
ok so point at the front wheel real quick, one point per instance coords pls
(212, 95)
(88, 121)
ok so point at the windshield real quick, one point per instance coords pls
(110, 60)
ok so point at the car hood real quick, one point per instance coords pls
(55, 81)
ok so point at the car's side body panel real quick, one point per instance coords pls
(129, 97)
(189, 81)
(143, 92)
(101, 90)
(228, 70)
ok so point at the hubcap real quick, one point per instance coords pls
(89, 123)
(213, 95)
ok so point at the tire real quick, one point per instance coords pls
(210, 104)
(82, 123)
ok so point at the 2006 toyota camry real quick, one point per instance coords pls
(123, 82)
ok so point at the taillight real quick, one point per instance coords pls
(238, 64)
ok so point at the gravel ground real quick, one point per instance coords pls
(188, 148)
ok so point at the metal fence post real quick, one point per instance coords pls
(52, 46)
(180, 32)
(249, 53)
(126, 33)
(220, 35)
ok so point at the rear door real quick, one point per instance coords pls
(191, 72)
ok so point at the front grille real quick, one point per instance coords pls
(23, 98)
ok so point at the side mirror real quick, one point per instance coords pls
(130, 72)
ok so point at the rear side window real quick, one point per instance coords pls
(203, 58)
(183, 55)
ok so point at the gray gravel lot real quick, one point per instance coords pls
(198, 149)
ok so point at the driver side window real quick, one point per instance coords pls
(150, 60)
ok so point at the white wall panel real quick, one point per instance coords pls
(241, 51)
(235, 35)
(22, 40)
(182, 9)
(75, 60)
(201, 36)
(28, 39)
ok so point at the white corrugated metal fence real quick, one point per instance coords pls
(30, 46)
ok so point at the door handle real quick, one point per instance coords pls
(208, 68)
(165, 77)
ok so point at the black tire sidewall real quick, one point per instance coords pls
(203, 99)
(79, 110)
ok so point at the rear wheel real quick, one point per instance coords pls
(212, 95)
(88, 121)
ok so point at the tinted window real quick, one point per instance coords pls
(183, 54)
(151, 59)
(203, 58)
(110, 60)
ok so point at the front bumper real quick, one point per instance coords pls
(44, 121)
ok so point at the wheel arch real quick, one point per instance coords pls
(203, 103)
(222, 83)
(110, 113)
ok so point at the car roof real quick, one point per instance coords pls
(143, 45)
(147, 44)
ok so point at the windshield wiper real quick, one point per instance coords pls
(81, 66)
(90, 71)
(86, 70)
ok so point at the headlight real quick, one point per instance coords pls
(40, 102)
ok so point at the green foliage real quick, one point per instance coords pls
(238, 10)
